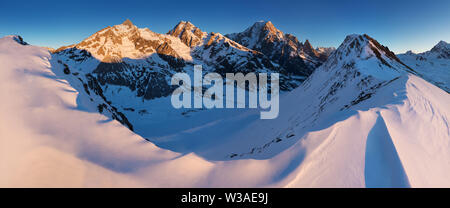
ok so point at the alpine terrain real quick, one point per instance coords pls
(98, 113)
(432, 65)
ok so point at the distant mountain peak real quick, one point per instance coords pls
(356, 43)
(282, 48)
(265, 26)
(186, 23)
(441, 47)
(128, 22)
(307, 43)
(442, 43)
(410, 52)
(262, 23)
(261, 31)
(309, 49)
(112, 44)
(188, 33)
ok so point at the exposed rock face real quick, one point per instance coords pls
(285, 49)
(144, 61)
(20, 40)
(308, 49)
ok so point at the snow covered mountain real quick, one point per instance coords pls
(362, 119)
(433, 65)
(298, 58)
(122, 68)
(143, 61)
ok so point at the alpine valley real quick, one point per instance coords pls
(98, 113)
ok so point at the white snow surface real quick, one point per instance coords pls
(399, 137)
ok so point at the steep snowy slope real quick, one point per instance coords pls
(50, 138)
(433, 65)
(361, 120)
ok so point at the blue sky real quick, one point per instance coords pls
(401, 25)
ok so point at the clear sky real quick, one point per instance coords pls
(401, 25)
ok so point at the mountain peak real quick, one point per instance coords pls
(442, 43)
(308, 49)
(112, 44)
(186, 23)
(263, 26)
(261, 31)
(127, 22)
(188, 33)
(442, 46)
(357, 43)
(283, 48)
(410, 52)
(364, 47)
(308, 44)
(183, 26)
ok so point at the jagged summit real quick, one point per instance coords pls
(357, 71)
(307, 43)
(188, 33)
(128, 22)
(364, 47)
(143, 61)
(285, 49)
(410, 52)
(126, 40)
(308, 49)
(361, 55)
(265, 26)
(441, 47)
(259, 32)
(442, 44)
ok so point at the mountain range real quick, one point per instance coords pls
(98, 113)
(126, 61)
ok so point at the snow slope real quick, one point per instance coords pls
(367, 123)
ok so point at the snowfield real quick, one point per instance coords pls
(357, 121)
